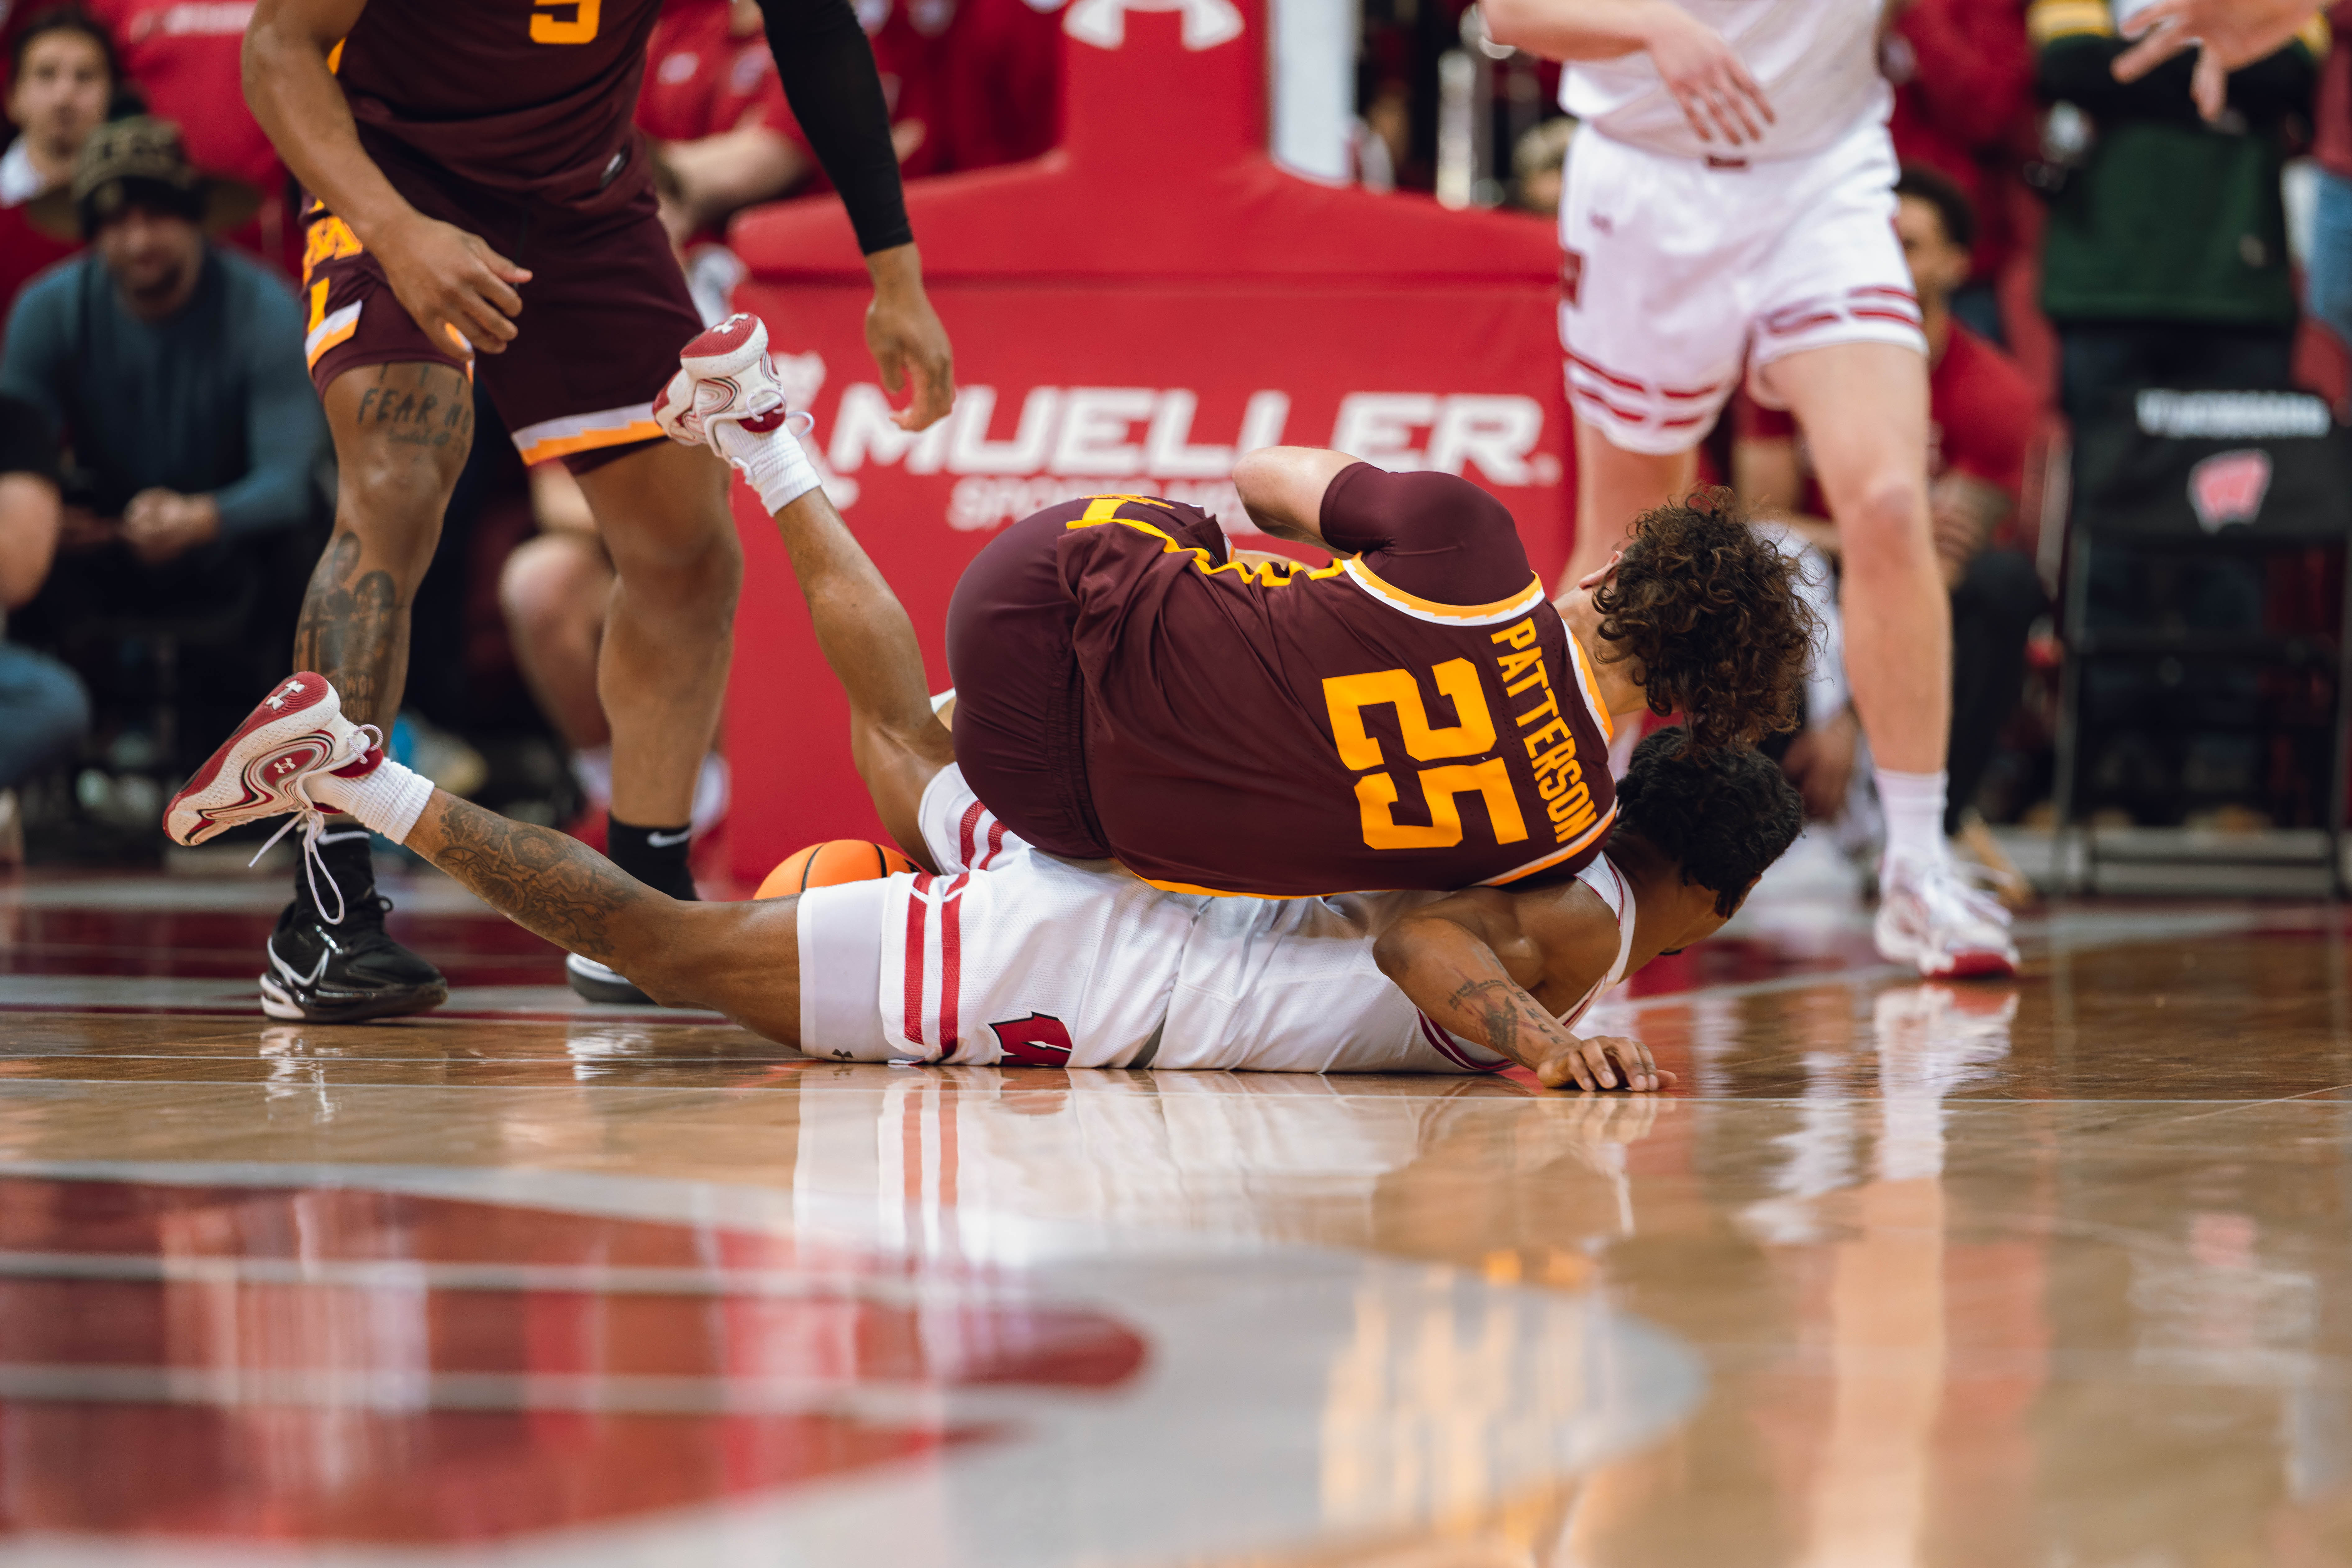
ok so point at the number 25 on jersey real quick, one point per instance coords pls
(1347, 697)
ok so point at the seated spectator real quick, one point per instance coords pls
(1963, 78)
(1982, 416)
(186, 59)
(174, 371)
(712, 100)
(43, 709)
(2165, 262)
(61, 73)
(1000, 98)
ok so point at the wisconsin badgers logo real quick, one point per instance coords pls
(1571, 277)
(1038, 1040)
(2229, 488)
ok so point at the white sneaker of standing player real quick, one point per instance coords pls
(291, 738)
(1928, 917)
(727, 395)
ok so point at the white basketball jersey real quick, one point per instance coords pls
(1817, 61)
(1011, 956)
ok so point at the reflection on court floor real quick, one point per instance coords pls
(2034, 1273)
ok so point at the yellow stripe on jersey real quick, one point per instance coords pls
(2315, 35)
(1430, 610)
(1591, 837)
(1105, 509)
(1592, 687)
(2049, 19)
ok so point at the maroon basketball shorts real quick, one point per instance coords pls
(1020, 732)
(602, 319)
(1020, 714)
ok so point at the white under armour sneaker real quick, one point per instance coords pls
(1928, 917)
(725, 376)
(266, 768)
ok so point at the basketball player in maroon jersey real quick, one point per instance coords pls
(1126, 976)
(479, 205)
(1418, 714)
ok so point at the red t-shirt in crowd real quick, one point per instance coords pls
(1981, 415)
(2331, 117)
(1963, 75)
(184, 55)
(701, 79)
(1003, 100)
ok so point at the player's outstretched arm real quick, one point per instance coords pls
(1446, 958)
(442, 275)
(739, 959)
(1282, 488)
(1718, 96)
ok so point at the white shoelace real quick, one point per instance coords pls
(313, 823)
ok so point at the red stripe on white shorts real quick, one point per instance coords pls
(918, 915)
(950, 963)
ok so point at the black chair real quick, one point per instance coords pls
(2199, 478)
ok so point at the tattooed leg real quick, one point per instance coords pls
(402, 433)
(740, 958)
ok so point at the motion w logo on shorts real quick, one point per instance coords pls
(1039, 1040)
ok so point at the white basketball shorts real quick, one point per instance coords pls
(1677, 271)
(1011, 956)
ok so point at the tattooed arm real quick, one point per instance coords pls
(1468, 964)
(740, 958)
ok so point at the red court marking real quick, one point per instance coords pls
(393, 1469)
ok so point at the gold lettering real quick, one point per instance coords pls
(547, 28)
(1346, 696)
(1535, 742)
(1376, 798)
(1521, 633)
(1550, 704)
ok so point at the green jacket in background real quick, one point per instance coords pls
(2169, 219)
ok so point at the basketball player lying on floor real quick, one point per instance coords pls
(1417, 714)
(1003, 953)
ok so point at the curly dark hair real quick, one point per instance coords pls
(1724, 814)
(1707, 609)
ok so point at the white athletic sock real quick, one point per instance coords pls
(774, 463)
(1914, 804)
(388, 799)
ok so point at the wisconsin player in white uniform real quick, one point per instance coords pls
(1728, 209)
(1001, 953)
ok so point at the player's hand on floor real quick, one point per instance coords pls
(907, 340)
(1604, 1061)
(1718, 96)
(449, 280)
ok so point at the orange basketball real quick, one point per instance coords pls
(835, 861)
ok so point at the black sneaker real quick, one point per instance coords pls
(593, 982)
(343, 972)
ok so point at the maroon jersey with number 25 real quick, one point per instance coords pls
(1415, 715)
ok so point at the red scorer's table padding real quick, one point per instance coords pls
(1127, 312)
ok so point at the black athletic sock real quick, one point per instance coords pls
(344, 855)
(653, 855)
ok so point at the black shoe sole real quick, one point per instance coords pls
(278, 1003)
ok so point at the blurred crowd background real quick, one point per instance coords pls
(165, 480)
